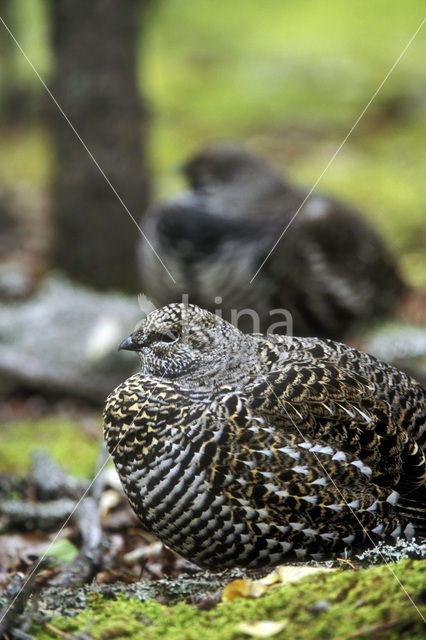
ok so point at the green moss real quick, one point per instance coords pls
(64, 439)
(384, 595)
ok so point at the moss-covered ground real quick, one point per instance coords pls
(385, 602)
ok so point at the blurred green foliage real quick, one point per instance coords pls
(63, 438)
(287, 78)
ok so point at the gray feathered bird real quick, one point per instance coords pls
(330, 270)
(244, 450)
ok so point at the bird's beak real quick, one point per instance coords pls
(128, 345)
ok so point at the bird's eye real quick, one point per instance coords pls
(168, 336)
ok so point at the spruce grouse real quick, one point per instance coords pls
(245, 450)
(330, 270)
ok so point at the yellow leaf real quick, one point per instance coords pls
(261, 629)
(242, 589)
(254, 588)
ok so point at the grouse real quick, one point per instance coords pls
(329, 275)
(245, 450)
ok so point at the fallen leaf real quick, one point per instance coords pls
(21, 547)
(109, 499)
(293, 574)
(134, 556)
(255, 588)
(262, 628)
(243, 589)
(62, 551)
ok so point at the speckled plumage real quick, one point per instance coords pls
(246, 450)
(330, 270)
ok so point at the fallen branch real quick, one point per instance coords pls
(31, 516)
(51, 481)
(88, 521)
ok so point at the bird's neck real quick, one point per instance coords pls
(234, 366)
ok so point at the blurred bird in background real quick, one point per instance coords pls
(330, 269)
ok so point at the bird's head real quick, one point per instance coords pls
(221, 164)
(185, 341)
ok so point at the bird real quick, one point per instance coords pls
(237, 239)
(241, 183)
(246, 450)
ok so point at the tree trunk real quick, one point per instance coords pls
(95, 84)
